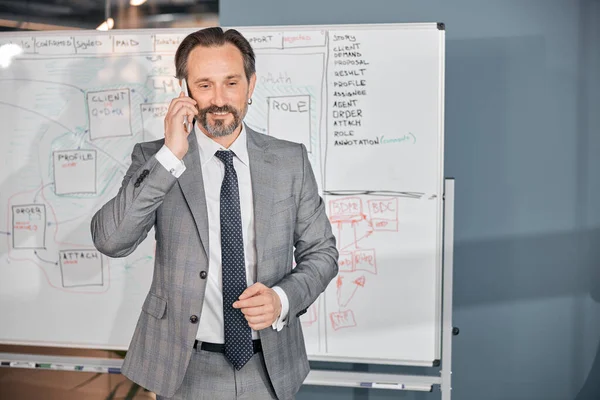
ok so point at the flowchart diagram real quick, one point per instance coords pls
(75, 106)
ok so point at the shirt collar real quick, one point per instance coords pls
(209, 147)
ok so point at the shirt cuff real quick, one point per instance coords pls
(285, 306)
(170, 161)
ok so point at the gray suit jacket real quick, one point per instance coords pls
(289, 213)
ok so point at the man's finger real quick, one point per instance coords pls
(258, 310)
(259, 326)
(254, 301)
(185, 99)
(252, 291)
(257, 319)
(180, 100)
(190, 109)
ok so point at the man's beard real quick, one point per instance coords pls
(220, 128)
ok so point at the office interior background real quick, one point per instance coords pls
(522, 140)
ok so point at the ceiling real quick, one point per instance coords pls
(88, 14)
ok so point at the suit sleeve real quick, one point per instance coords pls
(123, 222)
(316, 253)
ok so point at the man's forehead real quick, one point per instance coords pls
(222, 60)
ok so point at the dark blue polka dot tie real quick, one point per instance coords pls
(238, 336)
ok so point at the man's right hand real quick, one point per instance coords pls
(175, 133)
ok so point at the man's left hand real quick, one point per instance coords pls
(260, 305)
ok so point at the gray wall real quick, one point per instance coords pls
(522, 140)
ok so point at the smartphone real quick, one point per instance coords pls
(184, 89)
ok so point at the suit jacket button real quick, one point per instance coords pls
(203, 274)
(145, 172)
(194, 319)
(137, 184)
(301, 312)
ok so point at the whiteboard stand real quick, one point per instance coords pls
(315, 377)
(447, 290)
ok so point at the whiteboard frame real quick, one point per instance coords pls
(440, 158)
(268, 28)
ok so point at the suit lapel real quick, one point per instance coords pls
(192, 186)
(263, 192)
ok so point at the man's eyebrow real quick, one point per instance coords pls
(233, 76)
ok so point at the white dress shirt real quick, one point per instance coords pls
(211, 328)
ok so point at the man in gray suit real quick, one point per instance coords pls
(229, 206)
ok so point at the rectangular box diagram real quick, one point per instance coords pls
(153, 120)
(346, 261)
(289, 119)
(342, 319)
(74, 171)
(384, 214)
(81, 268)
(131, 44)
(265, 40)
(167, 42)
(348, 209)
(364, 259)
(304, 39)
(55, 45)
(93, 45)
(109, 113)
(29, 226)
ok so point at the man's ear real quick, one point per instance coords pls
(251, 85)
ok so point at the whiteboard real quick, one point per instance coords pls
(366, 100)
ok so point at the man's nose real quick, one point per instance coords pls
(219, 97)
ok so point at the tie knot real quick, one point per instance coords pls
(226, 157)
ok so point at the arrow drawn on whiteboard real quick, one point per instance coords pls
(40, 190)
(130, 265)
(50, 223)
(39, 115)
(124, 167)
(360, 281)
(82, 138)
(53, 83)
(345, 293)
(41, 259)
(355, 243)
